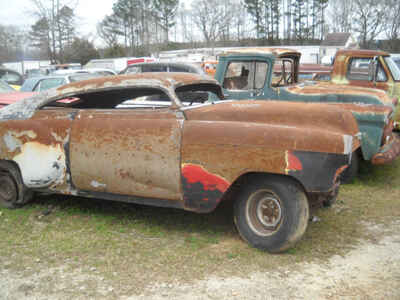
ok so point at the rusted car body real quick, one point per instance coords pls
(248, 74)
(189, 157)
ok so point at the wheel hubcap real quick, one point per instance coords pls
(264, 212)
(269, 211)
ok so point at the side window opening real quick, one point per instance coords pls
(134, 98)
(359, 70)
(283, 72)
(198, 94)
(244, 75)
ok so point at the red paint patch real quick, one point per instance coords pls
(210, 182)
(294, 164)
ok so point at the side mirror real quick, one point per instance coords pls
(372, 69)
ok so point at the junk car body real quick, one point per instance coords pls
(272, 157)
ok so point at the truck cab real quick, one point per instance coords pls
(367, 68)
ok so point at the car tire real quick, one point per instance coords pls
(351, 171)
(13, 193)
(8, 191)
(271, 213)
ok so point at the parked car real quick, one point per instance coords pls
(9, 95)
(39, 84)
(271, 157)
(12, 77)
(99, 71)
(5, 87)
(162, 67)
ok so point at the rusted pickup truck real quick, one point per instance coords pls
(271, 158)
(272, 74)
(367, 68)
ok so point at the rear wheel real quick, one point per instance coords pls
(271, 213)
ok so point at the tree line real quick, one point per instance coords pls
(141, 27)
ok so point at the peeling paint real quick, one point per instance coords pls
(96, 184)
(41, 165)
(348, 144)
(12, 139)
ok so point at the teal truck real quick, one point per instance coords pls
(272, 74)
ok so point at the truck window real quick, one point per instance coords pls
(283, 72)
(244, 75)
(359, 70)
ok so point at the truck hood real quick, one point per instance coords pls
(331, 92)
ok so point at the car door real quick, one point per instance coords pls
(129, 151)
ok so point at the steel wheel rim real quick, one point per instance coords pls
(264, 212)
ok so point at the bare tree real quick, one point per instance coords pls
(369, 16)
(341, 14)
(59, 15)
(212, 18)
(11, 43)
(392, 29)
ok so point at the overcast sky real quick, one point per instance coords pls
(88, 12)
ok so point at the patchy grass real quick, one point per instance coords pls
(127, 243)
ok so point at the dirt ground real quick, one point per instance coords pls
(369, 271)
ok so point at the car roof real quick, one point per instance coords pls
(195, 68)
(9, 70)
(157, 79)
(355, 52)
(166, 81)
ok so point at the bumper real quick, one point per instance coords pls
(388, 152)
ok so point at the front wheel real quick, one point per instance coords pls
(13, 193)
(8, 191)
(271, 213)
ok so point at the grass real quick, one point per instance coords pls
(128, 243)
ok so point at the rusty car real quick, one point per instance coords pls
(251, 74)
(271, 158)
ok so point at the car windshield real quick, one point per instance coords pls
(5, 88)
(29, 84)
(394, 69)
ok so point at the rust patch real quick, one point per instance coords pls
(388, 153)
(277, 52)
